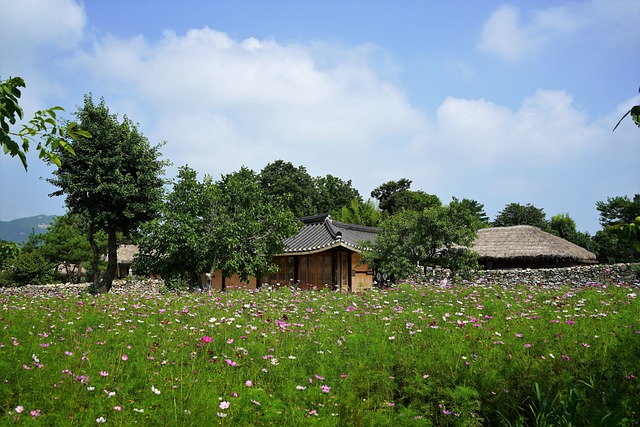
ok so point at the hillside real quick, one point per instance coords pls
(18, 230)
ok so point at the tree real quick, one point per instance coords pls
(178, 245)
(394, 196)
(8, 252)
(282, 178)
(618, 210)
(230, 225)
(65, 244)
(114, 182)
(250, 226)
(359, 212)
(332, 193)
(563, 226)
(517, 214)
(433, 236)
(476, 209)
(43, 129)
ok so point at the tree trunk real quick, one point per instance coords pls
(95, 262)
(112, 262)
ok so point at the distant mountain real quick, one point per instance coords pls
(18, 230)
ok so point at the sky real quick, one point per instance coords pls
(497, 101)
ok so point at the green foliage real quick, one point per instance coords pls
(231, 225)
(332, 193)
(433, 236)
(114, 181)
(517, 214)
(178, 244)
(635, 116)
(282, 178)
(617, 242)
(563, 226)
(394, 197)
(250, 225)
(359, 212)
(8, 252)
(31, 268)
(43, 129)
(65, 243)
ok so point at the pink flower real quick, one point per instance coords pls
(19, 409)
(249, 383)
(527, 345)
(104, 373)
(124, 357)
(224, 405)
(117, 408)
(35, 413)
(325, 388)
(206, 339)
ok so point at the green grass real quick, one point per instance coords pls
(456, 355)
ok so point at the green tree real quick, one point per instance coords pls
(8, 252)
(517, 214)
(476, 209)
(332, 193)
(179, 244)
(618, 210)
(282, 178)
(433, 236)
(43, 129)
(359, 212)
(562, 225)
(114, 182)
(250, 225)
(65, 244)
(394, 196)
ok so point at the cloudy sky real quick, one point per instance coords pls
(497, 101)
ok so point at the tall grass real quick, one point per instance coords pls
(449, 355)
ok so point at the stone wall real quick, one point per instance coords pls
(580, 275)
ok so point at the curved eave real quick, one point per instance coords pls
(318, 249)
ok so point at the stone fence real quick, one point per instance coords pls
(578, 275)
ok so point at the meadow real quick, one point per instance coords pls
(440, 355)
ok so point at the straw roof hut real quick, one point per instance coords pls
(526, 246)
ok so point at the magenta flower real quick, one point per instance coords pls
(104, 373)
(325, 388)
(527, 345)
(206, 339)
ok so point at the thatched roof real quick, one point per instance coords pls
(526, 242)
(126, 253)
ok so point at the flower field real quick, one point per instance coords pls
(459, 355)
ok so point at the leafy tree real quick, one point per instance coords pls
(563, 226)
(114, 182)
(332, 193)
(394, 196)
(250, 226)
(179, 243)
(282, 178)
(31, 268)
(65, 243)
(230, 225)
(359, 212)
(8, 252)
(43, 129)
(618, 210)
(476, 209)
(433, 236)
(517, 214)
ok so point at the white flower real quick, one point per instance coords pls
(100, 420)
(138, 410)
(300, 387)
(155, 390)
(222, 414)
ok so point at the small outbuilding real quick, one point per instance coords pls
(526, 246)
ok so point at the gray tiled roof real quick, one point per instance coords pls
(320, 232)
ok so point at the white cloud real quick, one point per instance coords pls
(505, 36)
(51, 24)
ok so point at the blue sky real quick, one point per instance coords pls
(495, 101)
